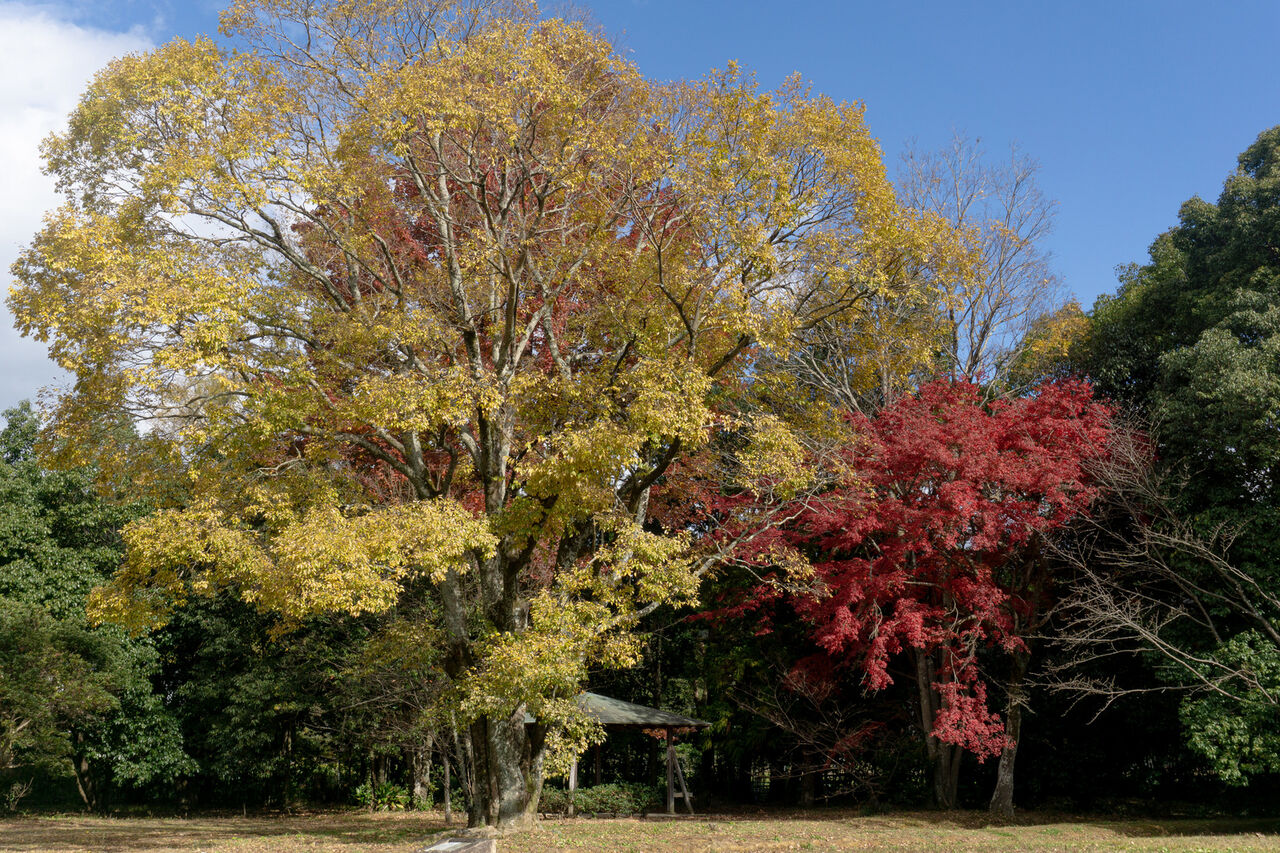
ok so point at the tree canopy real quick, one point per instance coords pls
(433, 295)
(429, 362)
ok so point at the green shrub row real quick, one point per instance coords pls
(614, 798)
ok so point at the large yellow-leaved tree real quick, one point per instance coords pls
(426, 295)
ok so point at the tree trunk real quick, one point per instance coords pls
(448, 789)
(286, 784)
(808, 787)
(1002, 797)
(420, 767)
(92, 791)
(502, 756)
(944, 758)
(508, 771)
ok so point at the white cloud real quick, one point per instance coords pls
(45, 63)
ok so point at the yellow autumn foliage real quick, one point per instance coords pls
(435, 299)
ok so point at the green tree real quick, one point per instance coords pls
(1219, 260)
(262, 716)
(70, 691)
(1192, 341)
(53, 676)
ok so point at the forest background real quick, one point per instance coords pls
(450, 411)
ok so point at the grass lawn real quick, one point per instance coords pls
(349, 832)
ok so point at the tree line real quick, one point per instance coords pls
(430, 364)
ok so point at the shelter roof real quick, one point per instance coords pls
(615, 712)
(619, 714)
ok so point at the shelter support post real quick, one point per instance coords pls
(671, 774)
(684, 789)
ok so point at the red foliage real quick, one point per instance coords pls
(951, 492)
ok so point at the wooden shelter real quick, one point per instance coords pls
(615, 714)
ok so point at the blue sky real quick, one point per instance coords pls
(1130, 106)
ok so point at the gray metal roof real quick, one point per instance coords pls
(615, 712)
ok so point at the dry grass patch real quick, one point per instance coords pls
(357, 832)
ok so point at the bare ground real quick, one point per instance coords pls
(357, 832)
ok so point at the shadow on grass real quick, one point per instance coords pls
(1129, 825)
(408, 830)
(139, 833)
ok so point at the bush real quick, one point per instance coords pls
(14, 795)
(383, 797)
(554, 800)
(615, 798)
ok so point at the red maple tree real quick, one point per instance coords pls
(930, 549)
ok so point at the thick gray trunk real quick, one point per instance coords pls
(501, 758)
(420, 762)
(508, 767)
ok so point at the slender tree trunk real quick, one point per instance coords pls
(448, 789)
(465, 753)
(1002, 797)
(651, 761)
(92, 792)
(286, 786)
